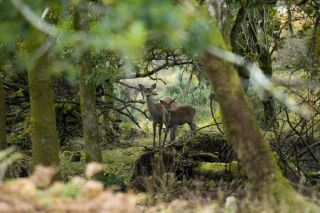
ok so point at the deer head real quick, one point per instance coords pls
(147, 92)
(167, 106)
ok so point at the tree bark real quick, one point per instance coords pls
(3, 132)
(269, 108)
(88, 96)
(234, 35)
(288, 6)
(241, 128)
(243, 134)
(45, 144)
(265, 64)
(109, 115)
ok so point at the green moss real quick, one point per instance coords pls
(217, 170)
(120, 161)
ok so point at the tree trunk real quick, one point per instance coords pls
(3, 132)
(240, 126)
(265, 64)
(234, 35)
(243, 134)
(288, 6)
(45, 144)
(88, 96)
(109, 115)
(88, 112)
(269, 109)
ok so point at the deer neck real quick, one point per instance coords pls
(150, 105)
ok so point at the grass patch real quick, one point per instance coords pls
(120, 160)
(70, 169)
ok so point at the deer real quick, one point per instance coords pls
(175, 116)
(155, 109)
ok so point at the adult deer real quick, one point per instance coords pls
(174, 116)
(155, 110)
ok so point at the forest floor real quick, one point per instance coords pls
(118, 160)
(119, 164)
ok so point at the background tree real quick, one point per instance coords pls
(45, 144)
(3, 131)
(87, 93)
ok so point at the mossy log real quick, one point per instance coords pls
(181, 158)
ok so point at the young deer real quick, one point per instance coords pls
(172, 117)
(155, 110)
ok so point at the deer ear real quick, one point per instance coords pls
(141, 86)
(172, 101)
(154, 86)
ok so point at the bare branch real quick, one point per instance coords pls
(164, 66)
(34, 20)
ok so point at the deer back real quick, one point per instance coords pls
(181, 115)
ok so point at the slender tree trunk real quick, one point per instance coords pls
(265, 64)
(269, 109)
(3, 132)
(88, 112)
(111, 136)
(45, 144)
(88, 96)
(288, 5)
(234, 39)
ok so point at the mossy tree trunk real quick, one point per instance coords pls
(87, 95)
(241, 128)
(45, 144)
(3, 132)
(243, 134)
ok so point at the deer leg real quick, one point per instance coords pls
(154, 133)
(165, 136)
(160, 130)
(173, 131)
(193, 127)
